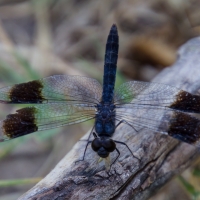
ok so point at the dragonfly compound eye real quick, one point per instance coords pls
(96, 144)
(109, 145)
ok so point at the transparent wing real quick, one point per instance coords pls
(43, 116)
(57, 88)
(60, 100)
(146, 93)
(160, 108)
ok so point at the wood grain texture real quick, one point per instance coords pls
(162, 157)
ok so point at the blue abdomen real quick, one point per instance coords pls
(110, 65)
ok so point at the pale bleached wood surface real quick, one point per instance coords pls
(162, 157)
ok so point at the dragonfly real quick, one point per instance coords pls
(61, 100)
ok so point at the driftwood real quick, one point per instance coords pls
(161, 157)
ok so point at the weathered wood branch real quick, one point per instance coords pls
(162, 157)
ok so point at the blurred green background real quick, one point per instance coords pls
(39, 38)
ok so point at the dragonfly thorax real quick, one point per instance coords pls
(105, 120)
(105, 111)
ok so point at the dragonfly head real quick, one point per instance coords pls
(103, 146)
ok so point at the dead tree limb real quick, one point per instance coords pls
(162, 157)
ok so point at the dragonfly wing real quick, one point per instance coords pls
(57, 88)
(42, 117)
(156, 94)
(177, 124)
(160, 108)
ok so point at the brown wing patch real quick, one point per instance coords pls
(185, 128)
(187, 102)
(30, 92)
(20, 123)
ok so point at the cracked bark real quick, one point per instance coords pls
(162, 157)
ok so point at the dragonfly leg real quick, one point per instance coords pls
(125, 122)
(88, 142)
(91, 132)
(127, 148)
(116, 157)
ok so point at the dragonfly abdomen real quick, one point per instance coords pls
(110, 65)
